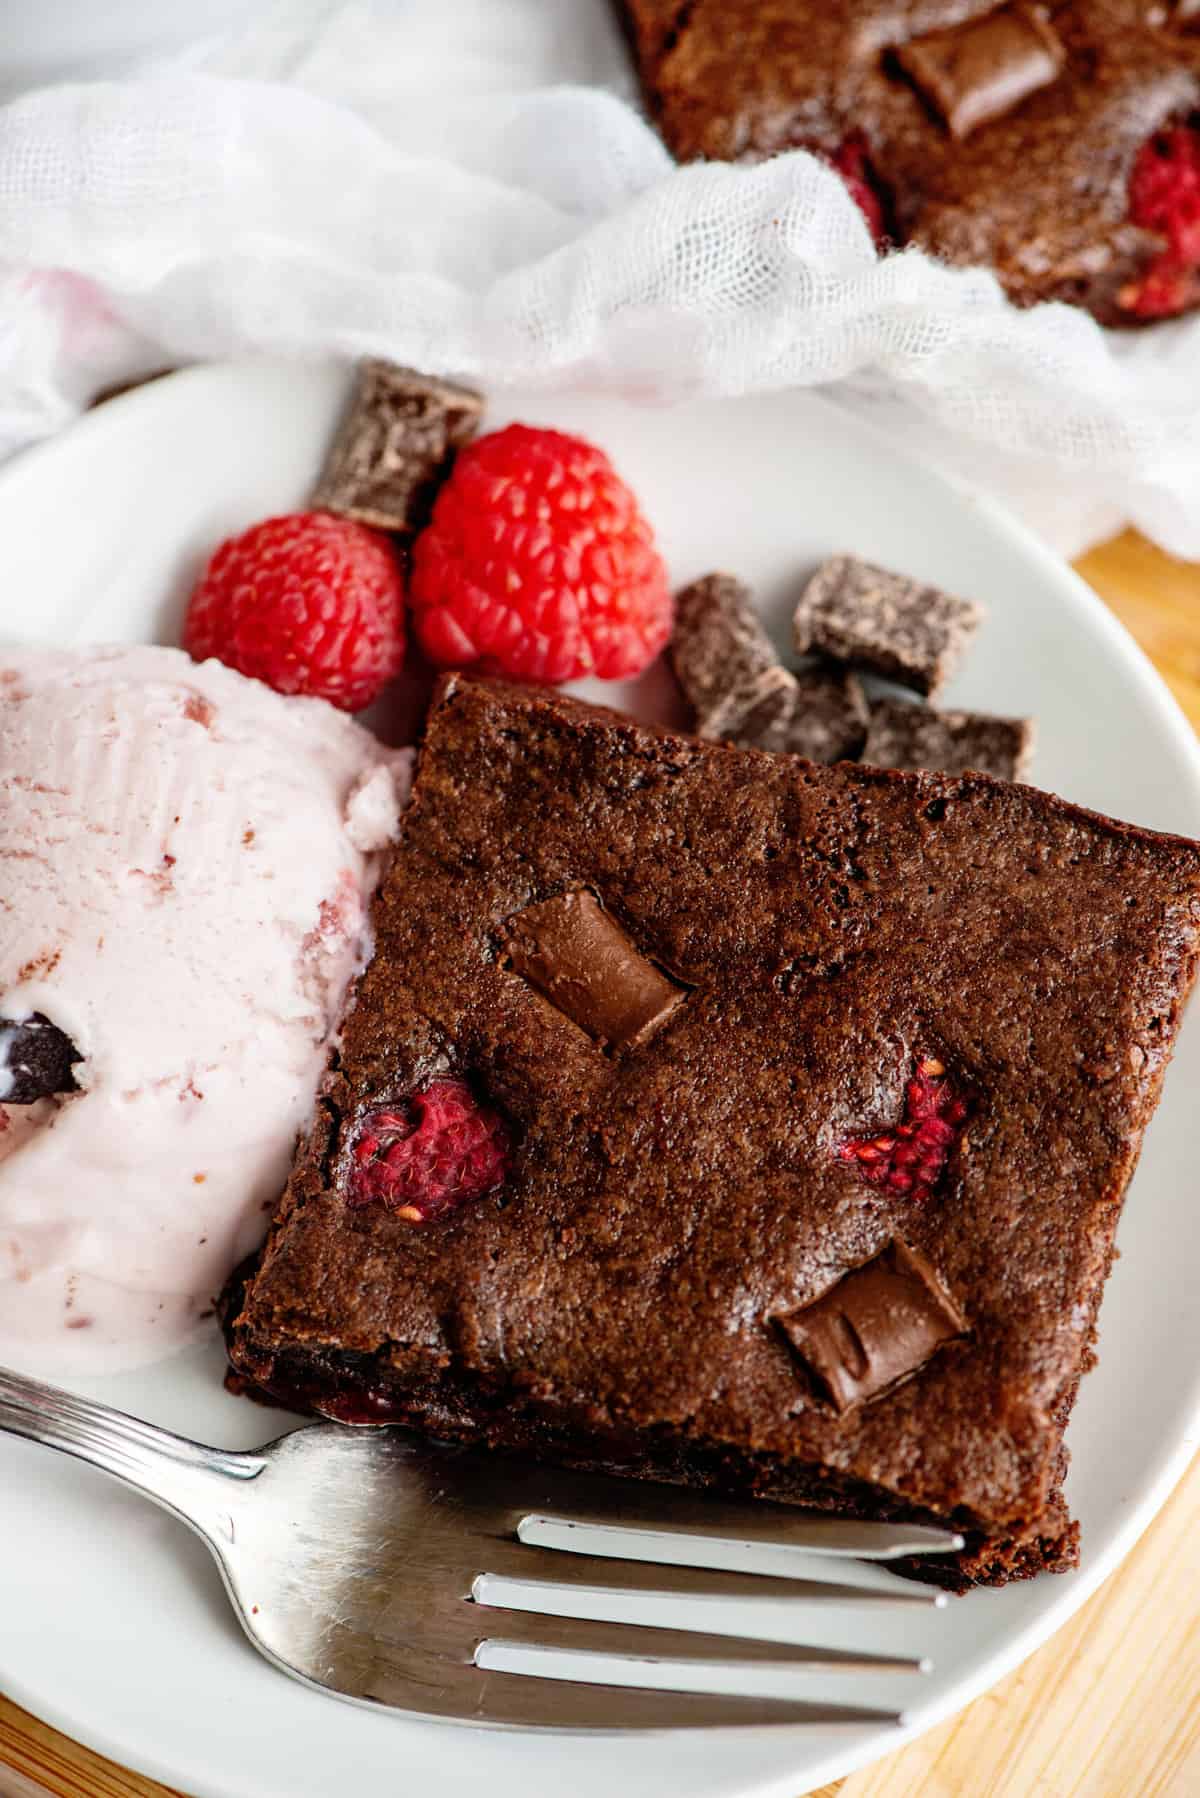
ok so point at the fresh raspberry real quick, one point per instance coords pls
(430, 1154)
(308, 603)
(909, 1159)
(853, 165)
(537, 563)
(1164, 197)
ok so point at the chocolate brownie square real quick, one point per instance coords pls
(714, 1116)
(1054, 143)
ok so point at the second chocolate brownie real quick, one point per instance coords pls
(1053, 143)
(709, 1114)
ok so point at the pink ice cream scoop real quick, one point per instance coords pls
(186, 860)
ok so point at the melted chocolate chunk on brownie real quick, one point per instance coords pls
(670, 1051)
(1050, 142)
(877, 1325)
(574, 953)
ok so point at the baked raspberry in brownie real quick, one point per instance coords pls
(713, 1115)
(1054, 142)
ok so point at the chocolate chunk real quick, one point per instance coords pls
(877, 1325)
(981, 70)
(856, 612)
(916, 736)
(726, 665)
(828, 721)
(574, 953)
(395, 445)
(36, 1059)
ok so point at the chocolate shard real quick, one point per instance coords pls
(395, 446)
(980, 70)
(36, 1059)
(878, 1324)
(575, 954)
(726, 665)
(917, 736)
(857, 612)
(828, 722)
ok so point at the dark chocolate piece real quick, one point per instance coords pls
(981, 69)
(828, 721)
(726, 665)
(880, 1323)
(916, 736)
(1039, 191)
(898, 627)
(580, 959)
(395, 445)
(36, 1059)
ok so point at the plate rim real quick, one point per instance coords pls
(1087, 610)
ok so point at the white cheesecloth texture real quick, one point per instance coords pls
(468, 186)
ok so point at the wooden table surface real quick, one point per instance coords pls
(1110, 1708)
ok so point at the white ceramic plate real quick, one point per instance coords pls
(114, 1624)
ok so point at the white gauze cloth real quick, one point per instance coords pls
(468, 186)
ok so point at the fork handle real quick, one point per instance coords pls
(182, 1475)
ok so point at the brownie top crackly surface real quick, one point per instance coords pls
(676, 1202)
(997, 134)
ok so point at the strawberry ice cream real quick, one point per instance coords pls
(185, 863)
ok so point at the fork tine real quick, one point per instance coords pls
(833, 1536)
(588, 1704)
(517, 1489)
(649, 1645)
(579, 1574)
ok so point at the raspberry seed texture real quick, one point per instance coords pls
(428, 1155)
(1164, 197)
(910, 1158)
(538, 563)
(307, 603)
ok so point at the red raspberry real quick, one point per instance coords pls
(308, 603)
(429, 1155)
(537, 563)
(1164, 197)
(909, 1159)
(852, 164)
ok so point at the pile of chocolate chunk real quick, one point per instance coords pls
(852, 617)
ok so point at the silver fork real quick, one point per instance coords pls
(393, 1572)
